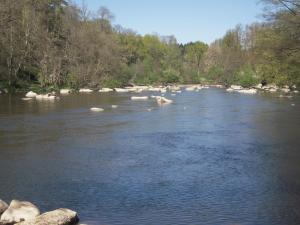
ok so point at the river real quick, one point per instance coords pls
(211, 158)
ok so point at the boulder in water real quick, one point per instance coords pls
(105, 90)
(31, 94)
(46, 97)
(236, 87)
(162, 100)
(95, 109)
(65, 91)
(85, 90)
(248, 91)
(139, 97)
(121, 90)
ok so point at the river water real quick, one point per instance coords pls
(211, 158)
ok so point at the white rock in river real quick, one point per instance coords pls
(191, 88)
(31, 94)
(65, 91)
(19, 211)
(3, 206)
(121, 90)
(259, 86)
(139, 97)
(46, 97)
(114, 106)
(85, 90)
(236, 87)
(248, 91)
(163, 100)
(286, 90)
(105, 90)
(56, 217)
(95, 109)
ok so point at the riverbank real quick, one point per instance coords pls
(50, 91)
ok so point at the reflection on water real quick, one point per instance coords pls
(210, 158)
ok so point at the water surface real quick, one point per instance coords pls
(210, 158)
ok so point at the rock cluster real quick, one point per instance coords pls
(26, 213)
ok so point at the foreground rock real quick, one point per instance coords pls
(3, 206)
(56, 217)
(19, 211)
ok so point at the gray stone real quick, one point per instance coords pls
(56, 217)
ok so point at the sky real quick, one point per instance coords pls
(187, 20)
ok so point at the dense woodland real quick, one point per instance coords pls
(55, 43)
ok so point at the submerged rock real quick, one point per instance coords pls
(19, 211)
(26, 99)
(3, 206)
(56, 217)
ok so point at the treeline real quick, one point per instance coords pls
(267, 52)
(56, 43)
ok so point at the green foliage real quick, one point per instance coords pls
(112, 83)
(246, 78)
(171, 76)
(215, 74)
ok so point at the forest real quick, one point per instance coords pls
(49, 44)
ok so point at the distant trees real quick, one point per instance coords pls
(54, 43)
(268, 52)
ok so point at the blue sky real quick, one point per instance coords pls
(187, 20)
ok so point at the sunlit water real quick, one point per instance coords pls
(211, 158)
